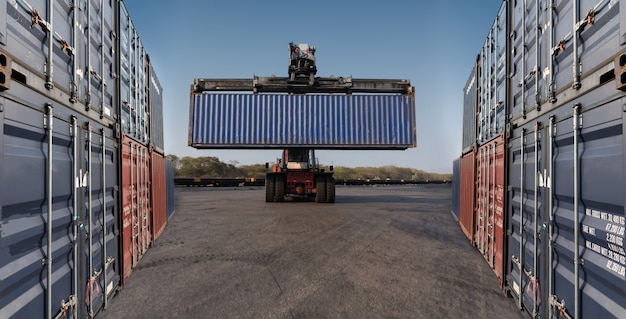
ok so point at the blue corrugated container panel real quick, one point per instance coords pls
(170, 187)
(155, 105)
(491, 108)
(470, 99)
(319, 121)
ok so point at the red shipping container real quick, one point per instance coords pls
(467, 196)
(489, 219)
(136, 204)
(159, 194)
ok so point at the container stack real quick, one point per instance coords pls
(547, 163)
(77, 185)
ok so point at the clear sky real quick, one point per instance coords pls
(431, 43)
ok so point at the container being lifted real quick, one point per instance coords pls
(299, 114)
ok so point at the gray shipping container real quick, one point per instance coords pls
(470, 99)
(59, 206)
(79, 42)
(134, 111)
(332, 121)
(562, 52)
(492, 70)
(155, 103)
(566, 175)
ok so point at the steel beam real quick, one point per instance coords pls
(322, 85)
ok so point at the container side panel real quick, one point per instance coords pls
(556, 57)
(321, 121)
(491, 110)
(155, 102)
(489, 210)
(159, 195)
(467, 194)
(80, 45)
(470, 97)
(171, 198)
(456, 188)
(134, 82)
(136, 202)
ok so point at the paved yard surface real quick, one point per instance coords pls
(378, 252)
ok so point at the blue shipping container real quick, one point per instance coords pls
(170, 187)
(319, 121)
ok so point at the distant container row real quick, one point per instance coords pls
(541, 177)
(84, 187)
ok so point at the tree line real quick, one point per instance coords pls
(212, 167)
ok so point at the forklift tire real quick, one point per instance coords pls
(320, 189)
(330, 190)
(270, 188)
(279, 193)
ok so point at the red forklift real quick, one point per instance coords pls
(297, 173)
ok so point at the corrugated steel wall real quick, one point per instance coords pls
(80, 73)
(155, 101)
(76, 184)
(456, 188)
(171, 198)
(58, 109)
(489, 219)
(158, 194)
(470, 102)
(566, 171)
(133, 79)
(551, 66)
(564, 157)
(136, 217)
(491, 91)
(60, 153)
(467, 194)
(321, 121)
(567, 209)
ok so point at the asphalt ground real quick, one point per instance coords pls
(378, 252)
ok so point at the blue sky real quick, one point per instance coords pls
(431, 43)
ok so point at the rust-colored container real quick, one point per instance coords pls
(159, 194)
(489, 218)
(467, 195)
(136, 204)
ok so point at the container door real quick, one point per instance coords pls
(50, 168)
(97, 180)
(525, 207)
(586, 276)
(136, 213)
(158, 194)
(566, 239)
(37, 246)
(489, 228)
(466, 209)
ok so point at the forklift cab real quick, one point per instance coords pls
(299, 159)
